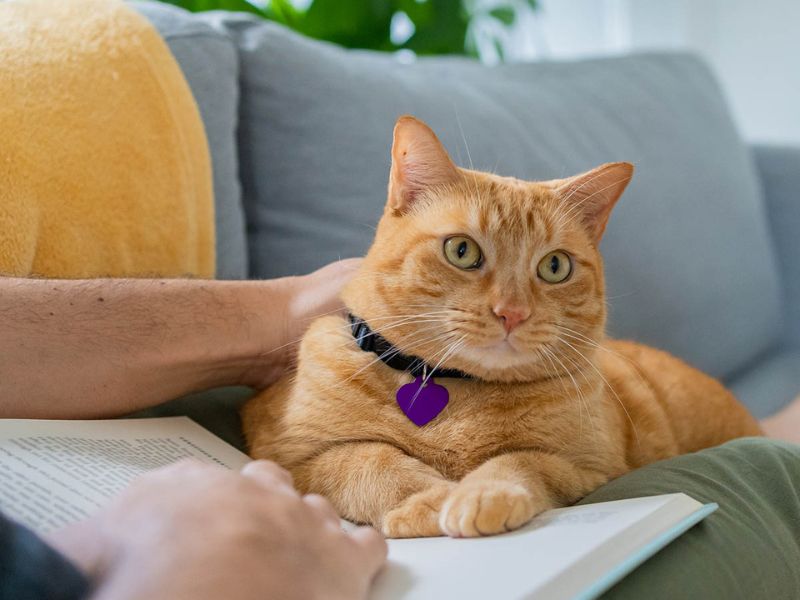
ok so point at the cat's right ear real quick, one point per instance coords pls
(593, 194)
(419, 161)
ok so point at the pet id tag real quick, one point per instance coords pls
(422, 402)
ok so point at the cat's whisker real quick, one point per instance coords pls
(346, 326)
(384, 329)
(325, 332)
(450, 309)
(463, 137)
(445, 350)
(539, 352)
(401, 316)
(388, 354)
(577, 333)
(594, 343)
(428, 305)
(397, 320)
(610, 387)
(453, 347)
(341, 310)
(476, 187)
(411, 345)
(425, 382)
(578, 337)
(625, 295)
(578, 390)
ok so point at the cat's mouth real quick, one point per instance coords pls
(504, 346)
(498, 354)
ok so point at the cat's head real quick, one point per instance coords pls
(495, 276)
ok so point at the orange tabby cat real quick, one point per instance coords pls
(502, 280)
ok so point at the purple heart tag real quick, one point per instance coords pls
(422, 403)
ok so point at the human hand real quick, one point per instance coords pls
(317, 294)
(197, 531)
(300, 300)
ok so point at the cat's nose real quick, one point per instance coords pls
(511, 315)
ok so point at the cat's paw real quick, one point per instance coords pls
(418, 515)
(485, 508)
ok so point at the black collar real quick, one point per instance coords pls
(369, 341)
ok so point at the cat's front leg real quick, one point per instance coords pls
(418, 515)
(509, 490)
(379, 484)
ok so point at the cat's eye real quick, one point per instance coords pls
(463, 252)
(555, 267)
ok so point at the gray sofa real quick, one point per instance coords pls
(701, 253)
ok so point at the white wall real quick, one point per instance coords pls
(753, 46)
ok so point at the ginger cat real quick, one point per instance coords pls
(499, 281)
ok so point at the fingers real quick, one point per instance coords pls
(318, 293)
(84, 543)
(345, 267)
(270, 476)
(372, 546)
(323, 507)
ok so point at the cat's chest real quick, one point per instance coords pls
(466, 422)
(463, 435)
(349, 394)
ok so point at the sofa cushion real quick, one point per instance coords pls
(770, 383)
(104, 166)
(690, 266)
(779, 168)
(209, 62)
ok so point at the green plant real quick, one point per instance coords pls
(422, 26)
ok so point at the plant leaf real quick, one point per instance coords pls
(505, 14)
(440, 26)
(231, 5)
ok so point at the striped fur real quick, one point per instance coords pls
(557, 409)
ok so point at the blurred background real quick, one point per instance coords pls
(753, 47)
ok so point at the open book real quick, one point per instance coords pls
(56, 472)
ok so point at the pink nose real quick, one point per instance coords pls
(511, 316)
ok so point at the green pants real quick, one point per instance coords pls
(749, 548)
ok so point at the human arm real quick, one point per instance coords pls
(105, 347)
(194, 531)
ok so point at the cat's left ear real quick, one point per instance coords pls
(419, 162)
(593, 194)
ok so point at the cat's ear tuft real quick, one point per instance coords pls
(419, 161)
(593, 194)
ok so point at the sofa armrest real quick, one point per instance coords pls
(779, 168)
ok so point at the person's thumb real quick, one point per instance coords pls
(82, 544)
(373, 548)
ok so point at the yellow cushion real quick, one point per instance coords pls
(104, 164)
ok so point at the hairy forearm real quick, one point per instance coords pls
(92, 348)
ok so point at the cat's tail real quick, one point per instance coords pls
(784, 425)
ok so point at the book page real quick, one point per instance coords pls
(53, 473)
(531, 562)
